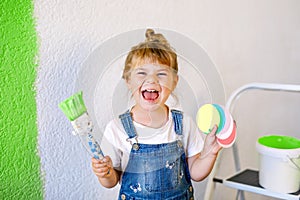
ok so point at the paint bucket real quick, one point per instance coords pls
(279, 163)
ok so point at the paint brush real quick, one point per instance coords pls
(75, 110)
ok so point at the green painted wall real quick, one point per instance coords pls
(20, 164)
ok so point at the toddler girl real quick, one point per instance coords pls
(154, 151)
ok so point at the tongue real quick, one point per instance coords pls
(150, 95)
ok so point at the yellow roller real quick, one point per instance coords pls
(207, 116)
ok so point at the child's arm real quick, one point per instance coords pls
(107, 175)
(201, 164)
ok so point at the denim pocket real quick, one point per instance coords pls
(162, 176)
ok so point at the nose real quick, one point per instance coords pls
(151, 78)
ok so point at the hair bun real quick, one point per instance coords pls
(149, 33)
(151, 36)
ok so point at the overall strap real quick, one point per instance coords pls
(128, 124)
(177, 118)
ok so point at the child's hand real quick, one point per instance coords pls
(102, 167)
(211, 146)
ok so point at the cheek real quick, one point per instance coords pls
(134, 84)
(167, 90)
(169, 83)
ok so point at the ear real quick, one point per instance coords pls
(128, 83)
(175, 81)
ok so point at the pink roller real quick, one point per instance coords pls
(227, 130)
(226, 143)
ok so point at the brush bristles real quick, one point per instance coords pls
(73, 107)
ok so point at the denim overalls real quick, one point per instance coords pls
(156, 171)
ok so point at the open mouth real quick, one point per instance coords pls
(150, 95)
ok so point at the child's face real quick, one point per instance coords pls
(151, 85)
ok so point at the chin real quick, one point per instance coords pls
(146, 105)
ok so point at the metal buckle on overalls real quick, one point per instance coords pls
(179, 144)
(179, 140)
(134, 144)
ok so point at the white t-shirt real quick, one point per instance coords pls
(116, 145)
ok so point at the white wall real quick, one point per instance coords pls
(249, 41)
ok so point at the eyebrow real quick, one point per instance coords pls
(139, 68)
(163, 68)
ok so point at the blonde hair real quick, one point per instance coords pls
(155, 49)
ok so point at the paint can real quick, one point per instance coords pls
(279, 169)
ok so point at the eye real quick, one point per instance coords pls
(162, 74)
(141, 73)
